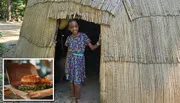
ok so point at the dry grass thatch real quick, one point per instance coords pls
(149, 39)
(96, 11)
(37, 33)
(139, 83)
(111, 6)
(140, 55)
(157, 8)
(140, 50)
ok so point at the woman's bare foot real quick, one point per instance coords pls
(78, 101)
(73, 100)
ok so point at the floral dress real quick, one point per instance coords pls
(75, 62)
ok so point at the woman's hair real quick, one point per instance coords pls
(71, 20)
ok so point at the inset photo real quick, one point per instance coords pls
(28, 79)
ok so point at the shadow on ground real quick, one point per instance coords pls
(90, 91)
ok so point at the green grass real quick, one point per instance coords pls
(0, 34)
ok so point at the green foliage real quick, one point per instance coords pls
(0, 34)
(3, 9)
(3, 47)
(17, 8)
(37, 88)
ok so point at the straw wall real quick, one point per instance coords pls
(124, 82)
(38, 29)
(37, 33)
(140, 49)
(146, 8)
(139, 62)
(66, 10)
(96, 11)
(111, 6)
(149, 39)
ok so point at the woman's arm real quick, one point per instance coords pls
(93, 47)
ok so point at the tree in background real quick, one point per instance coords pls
(12, 9)
(18, 8)
(8, 2)
(3, 9)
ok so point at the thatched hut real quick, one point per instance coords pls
(140, 44)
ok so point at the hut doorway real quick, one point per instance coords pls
(92, 58)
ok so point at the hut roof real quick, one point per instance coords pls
(144, 32)
(98, 11)
(145, 8)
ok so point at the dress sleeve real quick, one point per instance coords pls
(86, 39)
(67, 41)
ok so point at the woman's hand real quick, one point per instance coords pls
(99, 41)
(93, 47)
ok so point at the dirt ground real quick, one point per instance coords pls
(91, 89)
(10, 32)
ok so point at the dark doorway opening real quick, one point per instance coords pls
(92, 58)
(91, 88)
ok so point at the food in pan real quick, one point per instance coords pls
(34, 83)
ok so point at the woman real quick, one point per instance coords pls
(75, 63)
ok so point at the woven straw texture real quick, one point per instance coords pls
(64, 11)
(139, 83)
(140, 48)
(140, 54)
(111, 6)
(146, 8)
(37, 33)
(96, 11)
(149, 39)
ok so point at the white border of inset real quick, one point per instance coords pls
(9, 100)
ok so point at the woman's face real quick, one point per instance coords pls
(74, 27)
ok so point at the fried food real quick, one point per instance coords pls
(34, 83)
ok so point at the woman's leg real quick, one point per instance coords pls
(73, 92)
(72, 89)
(78, 91)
